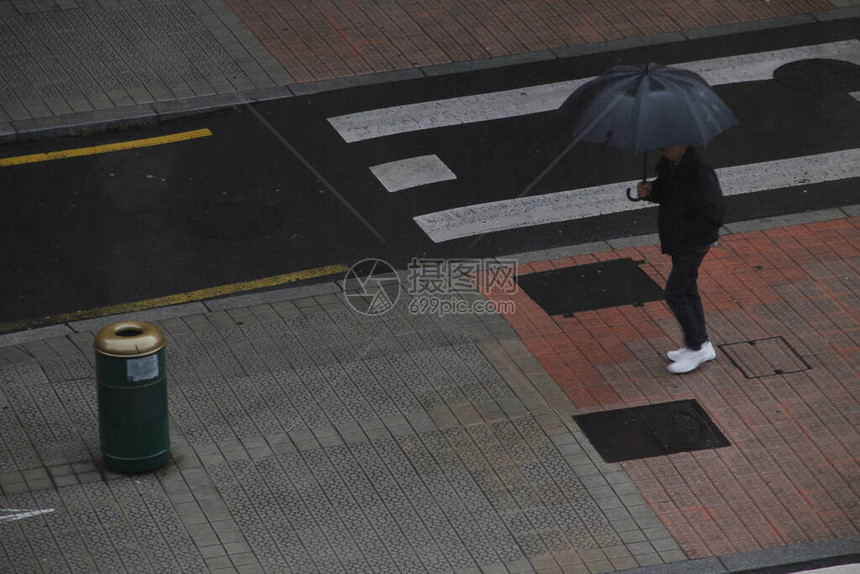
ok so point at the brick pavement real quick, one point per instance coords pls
(792, 472)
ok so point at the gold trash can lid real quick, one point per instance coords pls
(129, 339)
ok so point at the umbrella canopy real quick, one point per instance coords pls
(646, 107)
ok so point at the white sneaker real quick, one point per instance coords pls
(675, 355)
(690, 360)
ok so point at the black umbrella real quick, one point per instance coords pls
(646, 107)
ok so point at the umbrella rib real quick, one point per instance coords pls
(686, 104)
(680, 86)
(638, 109)
(553, 163)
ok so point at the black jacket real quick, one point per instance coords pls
(691, 203)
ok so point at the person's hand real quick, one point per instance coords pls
(643, 189)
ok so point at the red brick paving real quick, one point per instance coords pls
(339, 38)
(792, 474)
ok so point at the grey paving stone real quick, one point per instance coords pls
(519, 566)
(204, 540)
(218, 562)
(624, 525)
(15, 111)
(648, 521)
(673, 556)
(34, 474)
(212, 551)
(664, 544)
(243, 559)
(617, 514)
(641, 508)
(631, 537)
(600, 566)
(58, 106)
(43, 483)
(37, 334)
(55, 471)
(14, 488)
(656, 533)
(649, 559)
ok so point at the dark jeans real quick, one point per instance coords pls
(682, 295)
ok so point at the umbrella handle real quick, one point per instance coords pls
(644, 177)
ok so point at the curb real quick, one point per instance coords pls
(772, 560)
(150, 114)
(335, 284)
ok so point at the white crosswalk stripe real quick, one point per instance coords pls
(573, 204)
(412, 172)
(842, 569)
(546, 97)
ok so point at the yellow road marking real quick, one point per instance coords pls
(176, 299)
(119, 146)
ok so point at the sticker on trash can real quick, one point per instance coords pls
(142, 369)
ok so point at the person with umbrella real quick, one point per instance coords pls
(647, 107)
(691, 213)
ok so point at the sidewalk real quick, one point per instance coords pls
(792, 474)
(309, 438)
(71, 66)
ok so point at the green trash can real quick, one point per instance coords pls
(132, 396)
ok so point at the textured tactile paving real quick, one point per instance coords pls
(308, 439)
(458, 498)
(127, 526)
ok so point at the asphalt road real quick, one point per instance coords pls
(277, 189)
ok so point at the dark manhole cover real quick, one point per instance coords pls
(652, 430)
(588, 287)
(819, 75)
